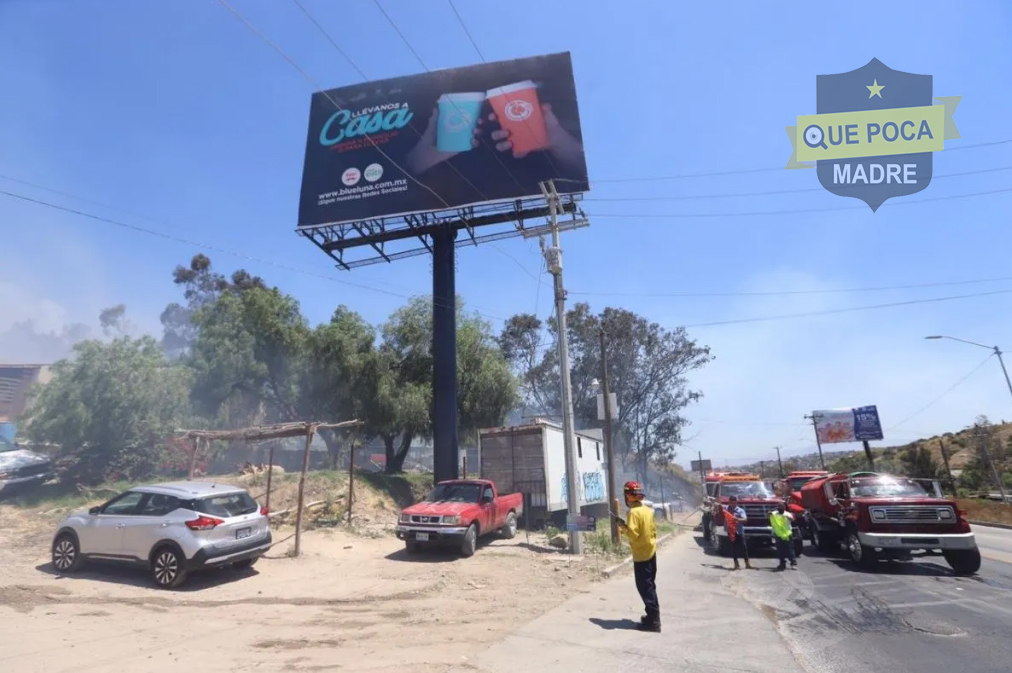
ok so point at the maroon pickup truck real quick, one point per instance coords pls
(456, 513)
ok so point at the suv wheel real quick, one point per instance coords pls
(168, 568)
(66, 554)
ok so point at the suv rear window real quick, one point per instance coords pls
(227, 505)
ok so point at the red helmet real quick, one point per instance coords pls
(633, 489)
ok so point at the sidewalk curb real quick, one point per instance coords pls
(608, 572)
(989, 524)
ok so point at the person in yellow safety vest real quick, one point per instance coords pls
(782, 521)
(641, 530)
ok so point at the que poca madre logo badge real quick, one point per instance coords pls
(874, 133)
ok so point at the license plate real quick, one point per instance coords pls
(422, 537)
(243, 533)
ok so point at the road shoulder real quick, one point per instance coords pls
(706, 627)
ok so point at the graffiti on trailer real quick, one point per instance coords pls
(591, 487)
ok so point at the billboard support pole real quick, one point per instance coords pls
(553, 261)
(815, 426)
(445, 460)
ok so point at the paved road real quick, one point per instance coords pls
(995, 543)
(908, 616)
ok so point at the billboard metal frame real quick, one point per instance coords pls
(336, 240)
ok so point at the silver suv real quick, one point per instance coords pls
(172, 529)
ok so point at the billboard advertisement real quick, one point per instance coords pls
(836, 426)
(442, 139)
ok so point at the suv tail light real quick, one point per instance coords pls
(264, 511)
(203, 523)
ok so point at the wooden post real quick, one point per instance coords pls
(193, 459)
(270, 473)
(310, 430)
(464, 470)
(351, 479)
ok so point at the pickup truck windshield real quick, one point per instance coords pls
(454, 493)
(888, 488)
(745, 489)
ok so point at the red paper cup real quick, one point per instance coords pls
(519, 111)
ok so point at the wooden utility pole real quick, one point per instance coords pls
(818, 442)
(948, 470)
(193, 458)
(310, 431)
(609, 448)
(762, 469)
(987, 456)
(780, 464)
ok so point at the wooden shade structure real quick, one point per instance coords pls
(261, 433)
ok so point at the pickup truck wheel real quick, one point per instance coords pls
(509, 531)
(963, 561)
(862, 555)
(470, 542)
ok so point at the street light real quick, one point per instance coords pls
(997, 351)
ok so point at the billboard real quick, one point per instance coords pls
(442, 139)
(860, 424)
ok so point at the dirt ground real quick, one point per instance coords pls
(351, 602)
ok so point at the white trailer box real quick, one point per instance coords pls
(530, 459)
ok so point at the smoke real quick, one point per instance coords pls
(33, 330)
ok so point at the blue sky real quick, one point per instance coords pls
(187, 123)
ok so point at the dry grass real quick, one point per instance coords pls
(986, 510)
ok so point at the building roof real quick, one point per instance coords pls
(15, 380)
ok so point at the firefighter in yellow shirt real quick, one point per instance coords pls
(641, 532)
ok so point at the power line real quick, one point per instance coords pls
(747, 171)
(804, 211)
(319, 88)
(947, 391)
(206, 246)
(697, 197)
(851, 309)
(784, 293)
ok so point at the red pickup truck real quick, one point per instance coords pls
(458, 512)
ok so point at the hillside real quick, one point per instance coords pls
(961, 447)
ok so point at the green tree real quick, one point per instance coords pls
(201, 286)
(648, 367)
(398, 399)
(918, 462)
(111, 408)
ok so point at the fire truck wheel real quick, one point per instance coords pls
(821, 540)
(862, 555)
(799, 545)
(963, 561)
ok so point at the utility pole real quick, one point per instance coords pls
(780, 464)
(945, 459)
(818, 442)
(762, 469)
(553, 262)
(987, 456)
(609, 448)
